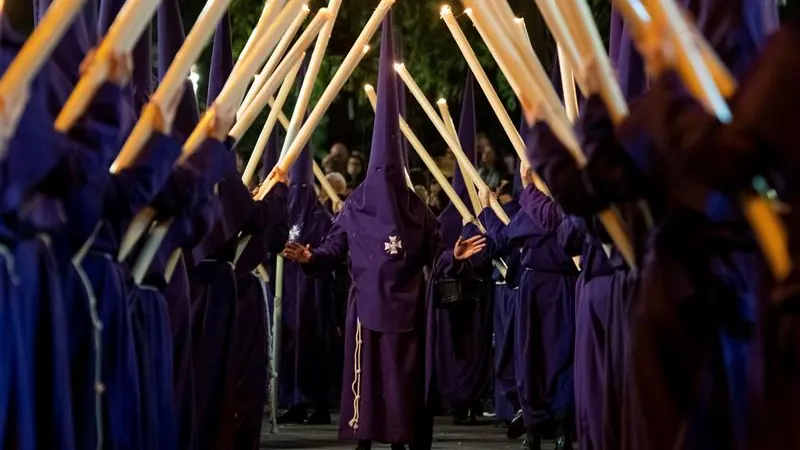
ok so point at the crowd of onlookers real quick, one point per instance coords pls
(346, 169)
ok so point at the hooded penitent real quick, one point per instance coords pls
(386, 214)
(388, 235)
(36, 365)
(221, 59)
(170, 38)
(544, 316)
(464, 333)
(307, 303)
(450, 219)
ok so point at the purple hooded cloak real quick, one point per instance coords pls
(389, 235)
(307, 301)
(464, 334)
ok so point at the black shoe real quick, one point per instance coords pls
(464, 417)
(364, 445)
(294, 414)
(563, 438)
(532, 443)
(398, 447)
(517, 427)
(563, 443)
(319, 417)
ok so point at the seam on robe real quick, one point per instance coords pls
(97, 331)
(356, 386)
(11, 265)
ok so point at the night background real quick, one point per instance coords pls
(430, 54)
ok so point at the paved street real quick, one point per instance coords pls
(447, 437)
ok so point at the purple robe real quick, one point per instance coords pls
(36, 160)
(307, 329)
(544, 327)
(506, 294)
(187, 196)
(268, 230)
(464, 334)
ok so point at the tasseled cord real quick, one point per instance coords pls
(356, 386)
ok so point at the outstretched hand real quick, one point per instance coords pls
(298, 253)
(466, 249)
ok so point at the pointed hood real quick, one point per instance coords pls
(170, 38)
(69, 52)
(141, 86)
(302, 172)
(221, 59)
(401, 91)
(270, 155)
(386, 223)
(626, 59)
(385, 168)
(524, 131)
(450, 218)
(308, 219)
(736, 29)
(142, 80)
(108, 12)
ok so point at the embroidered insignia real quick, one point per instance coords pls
(294, 232)
(393, 245)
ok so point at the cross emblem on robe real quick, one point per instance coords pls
(393, 245)
(294, 232)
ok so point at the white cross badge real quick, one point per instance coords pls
(294, 232)
(393, 245)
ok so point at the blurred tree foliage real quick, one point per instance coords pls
(429, 52)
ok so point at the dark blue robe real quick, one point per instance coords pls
(544, 326)
(506, 294)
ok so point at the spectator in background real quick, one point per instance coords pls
(437, 199)
(339, 185)
(355, 170)
(340, 155)
(492, 169)
(481, 143)
(329, 165)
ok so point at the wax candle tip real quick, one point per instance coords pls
(441, 101)
(305, 8)
(399, 66)
(366, 48)
(468, 11)
(446, 10)
(368, 87)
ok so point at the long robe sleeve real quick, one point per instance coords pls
(542, 209)
(331, 253)
(502, 240)
(268, 229)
